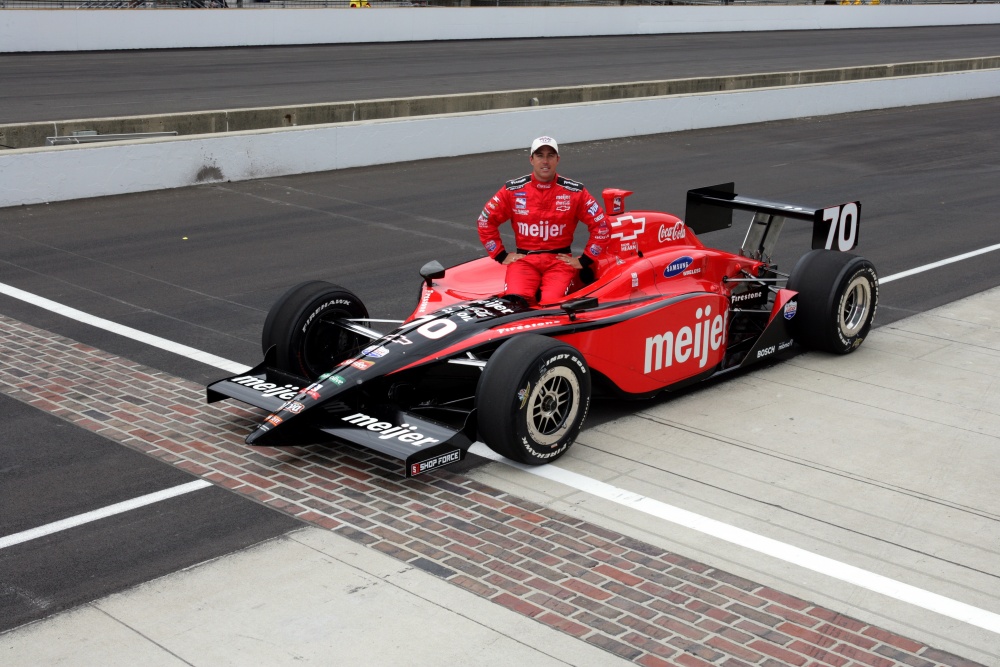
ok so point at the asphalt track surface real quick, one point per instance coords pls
(62, 86)
(52, 470)
(201, 265)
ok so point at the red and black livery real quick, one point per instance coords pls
(661, 312)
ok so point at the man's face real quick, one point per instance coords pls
(543, 164)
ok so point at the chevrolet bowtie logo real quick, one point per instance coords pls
(638, 227)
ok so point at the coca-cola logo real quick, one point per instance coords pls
(673, 233)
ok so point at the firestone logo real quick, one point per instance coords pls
(317, 311)
(426, 297)
(747, 296)
(529, 325)
(686, 343)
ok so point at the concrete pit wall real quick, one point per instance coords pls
(421, 128)
(36, 175)
(30, 135)
(24, 30)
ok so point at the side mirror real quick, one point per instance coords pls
(431, 271)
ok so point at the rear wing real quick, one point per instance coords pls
(711, 209)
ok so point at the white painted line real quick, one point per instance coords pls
(765, 545)
(104, 512)
(237, 368)
(934, 265)
(128, 332)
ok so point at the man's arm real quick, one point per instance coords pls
(592, 215)
(495, 213)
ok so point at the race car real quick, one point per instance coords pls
(660, 311)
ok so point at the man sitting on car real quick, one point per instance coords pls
(544, 209)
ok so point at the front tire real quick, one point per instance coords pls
(838, 296)
(532, 399)
(301, 325)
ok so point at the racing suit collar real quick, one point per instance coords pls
(544, 185)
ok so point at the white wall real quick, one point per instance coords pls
(74, 30)
(71, 172)
(32, 176)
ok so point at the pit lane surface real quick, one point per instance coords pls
(39, 87)
(200, 266)
(52, 470)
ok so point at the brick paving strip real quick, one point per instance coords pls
(635, 600)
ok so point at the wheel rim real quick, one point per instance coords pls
(553, 405)
(324, 343)
(854, 306)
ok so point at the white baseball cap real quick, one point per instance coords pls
(544, 141)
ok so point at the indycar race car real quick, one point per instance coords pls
(661, 311)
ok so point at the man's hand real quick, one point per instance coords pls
(511, 258)
(571, 260)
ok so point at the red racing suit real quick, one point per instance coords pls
(544, 217)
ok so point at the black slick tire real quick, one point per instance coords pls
(300, 324)
(837, 300)
(532, 399)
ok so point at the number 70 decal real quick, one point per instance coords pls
(841, 227)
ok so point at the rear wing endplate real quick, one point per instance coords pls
(711, 209)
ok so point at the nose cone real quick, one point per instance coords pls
(264, 433)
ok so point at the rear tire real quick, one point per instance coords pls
(300, 324)
(532, 399)
(838, 296)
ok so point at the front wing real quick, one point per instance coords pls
(420, 443)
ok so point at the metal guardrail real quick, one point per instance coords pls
(92, 137)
